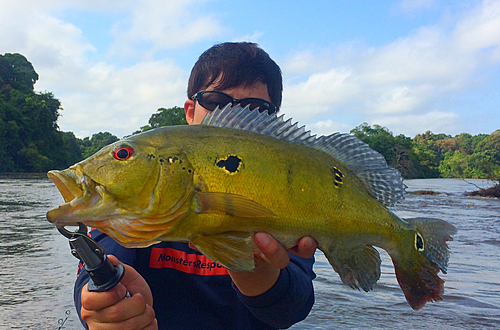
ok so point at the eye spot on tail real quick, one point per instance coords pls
(419, 242)
(230, 164)
(338, 177)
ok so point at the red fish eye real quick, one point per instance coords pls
(123, 153)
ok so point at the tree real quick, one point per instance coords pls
(16, 72)
(30, 140)
(397, 150)
(90, 146)
(165, 117)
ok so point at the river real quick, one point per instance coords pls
(37, 269)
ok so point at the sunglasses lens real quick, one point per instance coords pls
(210, 100)
(263, 105)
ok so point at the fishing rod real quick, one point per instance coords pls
(103, 274)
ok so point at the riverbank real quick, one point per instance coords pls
(489, 192)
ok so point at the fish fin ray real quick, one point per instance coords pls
(233, 250)
(417, 270)
(230, 204)
(358, 267)
(382, 181)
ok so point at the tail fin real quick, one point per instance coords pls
(417, 269)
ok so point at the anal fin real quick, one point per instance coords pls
(233, 250)
(358, 267)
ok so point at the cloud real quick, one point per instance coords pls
(150, 28)
(404, 82)
(434, 121)
(121, 100)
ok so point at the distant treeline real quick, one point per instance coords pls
(30, 139)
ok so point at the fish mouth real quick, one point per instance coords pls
(79, 192)
(66, 183)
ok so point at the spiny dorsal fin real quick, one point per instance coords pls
(382, 181)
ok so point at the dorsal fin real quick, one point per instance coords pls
(382, 181)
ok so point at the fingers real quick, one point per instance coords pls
(274, 253)
(124, 309)
(129, 313)
(111, 310)
(271, 250)
(305, 248)
(93, 301)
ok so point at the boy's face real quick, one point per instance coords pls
(195, 112)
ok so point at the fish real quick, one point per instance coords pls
(240, 172)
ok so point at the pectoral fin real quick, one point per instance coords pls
(233, 250)
(358, 267)
(230, 204)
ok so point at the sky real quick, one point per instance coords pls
(408, 65)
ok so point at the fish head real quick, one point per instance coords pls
(132, 190)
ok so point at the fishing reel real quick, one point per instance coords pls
(103, 274)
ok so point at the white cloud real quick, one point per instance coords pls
(326, 127)
(479, 30)
(122, 100)
(154, 26)
(401, 83)
(411, 125)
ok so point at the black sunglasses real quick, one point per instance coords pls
(213, 99)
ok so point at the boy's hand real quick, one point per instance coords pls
(112, 310)
(269, 262)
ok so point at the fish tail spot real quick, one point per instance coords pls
(419, 242)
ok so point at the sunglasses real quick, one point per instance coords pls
(213, 99)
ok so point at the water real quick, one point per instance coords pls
(37, 270)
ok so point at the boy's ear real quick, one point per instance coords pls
(189, 110)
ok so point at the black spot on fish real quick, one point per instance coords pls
(151, 156)
(338, 177)
(419, 242)
(230, 164)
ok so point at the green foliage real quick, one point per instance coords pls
(30, 140)
(16, 72)
(96, 143)
(479, 165)
(165, 117)
(397, 151)
(432, 155)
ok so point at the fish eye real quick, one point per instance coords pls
(123, 153)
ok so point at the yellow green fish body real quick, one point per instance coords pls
(242, 172)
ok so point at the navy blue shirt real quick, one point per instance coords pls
(192, 292)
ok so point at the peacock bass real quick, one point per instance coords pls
(240, 172)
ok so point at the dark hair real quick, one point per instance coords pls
(236, 63)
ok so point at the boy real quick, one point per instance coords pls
(277, 294)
